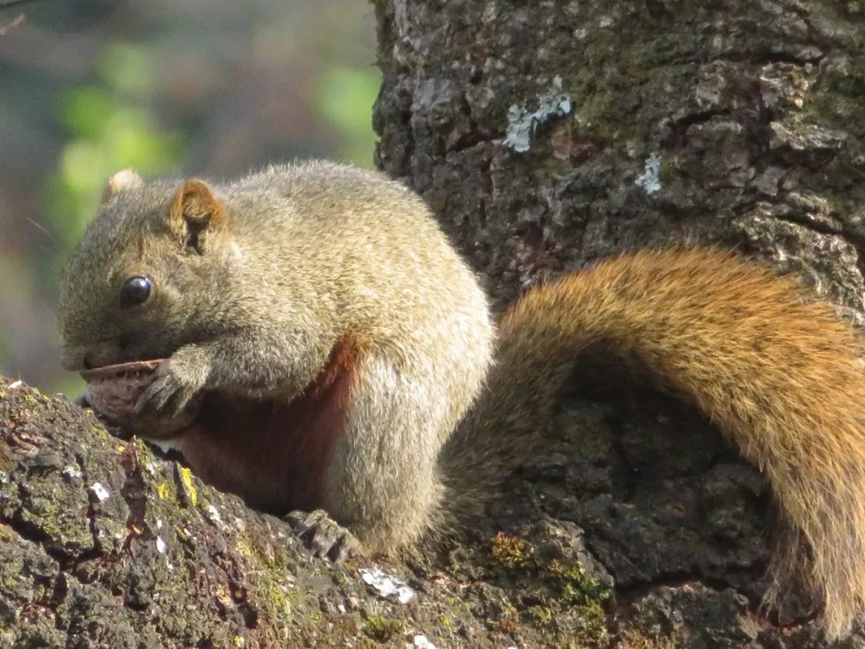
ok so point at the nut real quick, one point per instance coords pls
(113, 391)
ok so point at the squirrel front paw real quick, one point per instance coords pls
(322, 535)
(174, 386)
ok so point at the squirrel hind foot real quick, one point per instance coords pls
(324, 537)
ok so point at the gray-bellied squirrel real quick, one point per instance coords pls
(347, 359)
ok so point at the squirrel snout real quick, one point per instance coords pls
(99, 356)
(89, 362)
(91, 356)
(72, 359)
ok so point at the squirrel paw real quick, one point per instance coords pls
(322, 535)
(170, 392)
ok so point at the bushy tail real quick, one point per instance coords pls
(776, 371)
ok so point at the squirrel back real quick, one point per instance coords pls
(775, 369)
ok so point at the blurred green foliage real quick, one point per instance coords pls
(110, 127)
(344, 96)
(213, 88)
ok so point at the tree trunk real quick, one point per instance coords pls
(545, 135)
(548, 135)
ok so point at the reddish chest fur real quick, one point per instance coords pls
(274, 453)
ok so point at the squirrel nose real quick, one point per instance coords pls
(72, 359)
(102, 354)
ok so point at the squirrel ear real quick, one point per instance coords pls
(195, 213)
(122, 180)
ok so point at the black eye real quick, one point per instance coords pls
(135, 291)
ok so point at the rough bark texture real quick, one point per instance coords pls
(104, 544)
(752, 113)
(545, 135)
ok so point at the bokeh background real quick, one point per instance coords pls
(212, 87)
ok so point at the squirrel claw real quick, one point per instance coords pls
(322, 535)
(166, 395)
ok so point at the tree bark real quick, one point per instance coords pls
(534, 130)
(548, 135)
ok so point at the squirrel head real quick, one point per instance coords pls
(133, 287)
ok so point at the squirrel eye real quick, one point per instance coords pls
(135, 291)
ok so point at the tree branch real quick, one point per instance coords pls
(5, 4)
(8, 27)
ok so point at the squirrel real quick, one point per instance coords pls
(341, 357)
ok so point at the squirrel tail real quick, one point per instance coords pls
(778, 372)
